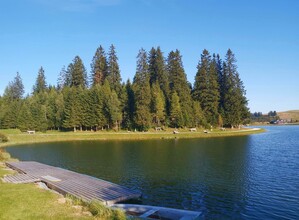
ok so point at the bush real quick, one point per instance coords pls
(101, 211)
(3, 138)
(4, 155)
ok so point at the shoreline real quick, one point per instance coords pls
(18, 138)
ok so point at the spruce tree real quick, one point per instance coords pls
(65, 78)
(158, 105)
(129, 107)
(72, 108)
(179, 84)
(206, 87)
(234, 100)
(97, 100)
(214, 94)
(15, 89)
(142, 93)
(158, 74)
(199, 118)
(40, 83)
(25, 119)
(38, 109)
(176, 116)
(111, 106)
(113, 71)
(78, 73)
(99, 67)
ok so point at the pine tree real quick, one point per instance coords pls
(158, 74)
(176, 116)
(38, 110)
(78, 73)
(234, 100)
(179, 84)
(158, 105)
(129, 107)
(40, 83)
(111, 106)
(25, 117)
(214, 94)
(15, 89)
(97, 100)
(65, 78)
(206, 87)
(199, 118)
(11, 113)
(72, 108)
(99, 67)
(142, 93)
(113, 71)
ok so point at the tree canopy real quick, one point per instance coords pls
(159, 96)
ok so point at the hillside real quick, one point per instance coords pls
(288, 115)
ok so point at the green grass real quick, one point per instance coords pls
(26, 201)
(16, 137)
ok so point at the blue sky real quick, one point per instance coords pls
(263, 34)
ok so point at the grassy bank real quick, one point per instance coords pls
(27, 201)
(16, 137)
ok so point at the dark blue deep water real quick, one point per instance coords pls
(249, 177)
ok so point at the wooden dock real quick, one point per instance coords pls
(64, 181)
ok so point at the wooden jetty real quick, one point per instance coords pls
(64, 181)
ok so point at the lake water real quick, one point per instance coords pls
(249, 177)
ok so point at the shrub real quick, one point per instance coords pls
(4, 155)
(3, 138)
(101, 211)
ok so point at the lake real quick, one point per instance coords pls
(247, 177)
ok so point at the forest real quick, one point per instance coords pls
(158, 96)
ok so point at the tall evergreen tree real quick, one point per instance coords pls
(40, 83)
(199, 118)
(206, 87)
(158, 74)
(98, 100)
(158, 105)
(111, 106)
(142, 93)
(65, 78)
(113, 71)
(15, 89)
(179, 84)
(129, 106)
(234, 100)
(25, 119)
(78, 73)
(99, 67)
(176, 116)
(72, 108)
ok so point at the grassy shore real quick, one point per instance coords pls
(26, 201)
(16, 137)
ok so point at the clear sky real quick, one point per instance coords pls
(263, 34)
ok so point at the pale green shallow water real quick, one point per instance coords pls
(248, 177)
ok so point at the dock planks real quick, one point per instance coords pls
(65, 182)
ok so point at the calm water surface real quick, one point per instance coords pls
(250, 177)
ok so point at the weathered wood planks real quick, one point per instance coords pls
(68, 182)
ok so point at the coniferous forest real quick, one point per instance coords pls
(158, 96)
